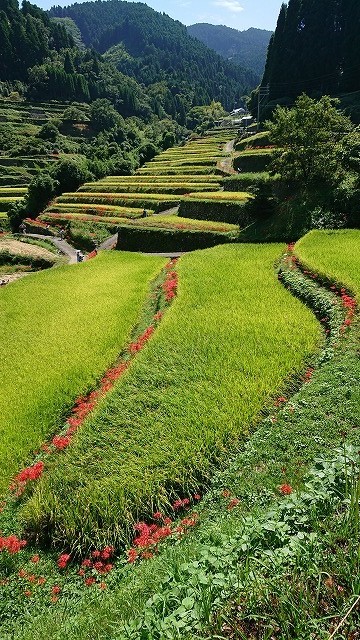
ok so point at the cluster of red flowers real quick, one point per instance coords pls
(349, 304)
(286, 489)
(61, 442)
(139, 344)
(308, 374)
(232, 501)
(28, 474)
(12, 544)
(171, 282)
(279, 401)
(63, 560)
(97, 564)
(150, 535)
(267, 146)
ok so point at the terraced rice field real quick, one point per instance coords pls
(176, 222)
(18, 122)
(60, 330)
(334, 255)
(156, 187)
(195, 390)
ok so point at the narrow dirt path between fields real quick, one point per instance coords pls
(169, 212)
(225, 164)
(62, 245)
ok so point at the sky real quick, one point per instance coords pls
(239, 14)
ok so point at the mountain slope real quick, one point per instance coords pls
(246, 48)
(154, 49)
(27, 38)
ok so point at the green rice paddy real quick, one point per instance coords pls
(222, 352)
(60, 330)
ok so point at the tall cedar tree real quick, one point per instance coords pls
(314, 49)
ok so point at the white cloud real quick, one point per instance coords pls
(230, 5)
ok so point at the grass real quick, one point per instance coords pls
(60, 330)
(176, 222)
(146, 187)
(70, 197)
(190, 396)
(230, 196)
(59, 218)
(171, 170)
(12, 191)
(6, 202)
(334, 254)
(160, 179)
(238, 593)
(96, 209)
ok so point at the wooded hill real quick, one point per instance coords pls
(246, 48)
(158, 52)
(314, 49)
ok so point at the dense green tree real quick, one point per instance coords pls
(49, 131)
(314, 49)
(309, 137)
(70, 174)
(42, 189)
(103, 115)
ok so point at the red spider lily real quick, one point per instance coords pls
(157, 515)
(280, 401)
(63, 560)
(27, 593)
(158, 316)
(87, 563)
(90, 581)
(181, 504)
(286, 489)
(132, 555)
(61, 442)
(26, 475)
(12, 544)
(107, 552)
(35, 559)
(56, 590)
(22, 573)
(226, 493)
(170, 285)
(41, 580)
(233, 503)
(197, 497)
(134, 347)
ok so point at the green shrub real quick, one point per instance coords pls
(258, 140)
(243, 181)
(9, 258)
(231, 212)
(252, 161)
(133, 238)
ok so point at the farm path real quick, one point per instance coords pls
(169, 212)
(62, 245)
(109, 243)
(225, 165)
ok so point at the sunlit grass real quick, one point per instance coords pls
(221, 353)
(59, 332)
(334, 254)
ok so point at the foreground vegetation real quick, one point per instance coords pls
(197, 388)
(227, 577)
(72, 322)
